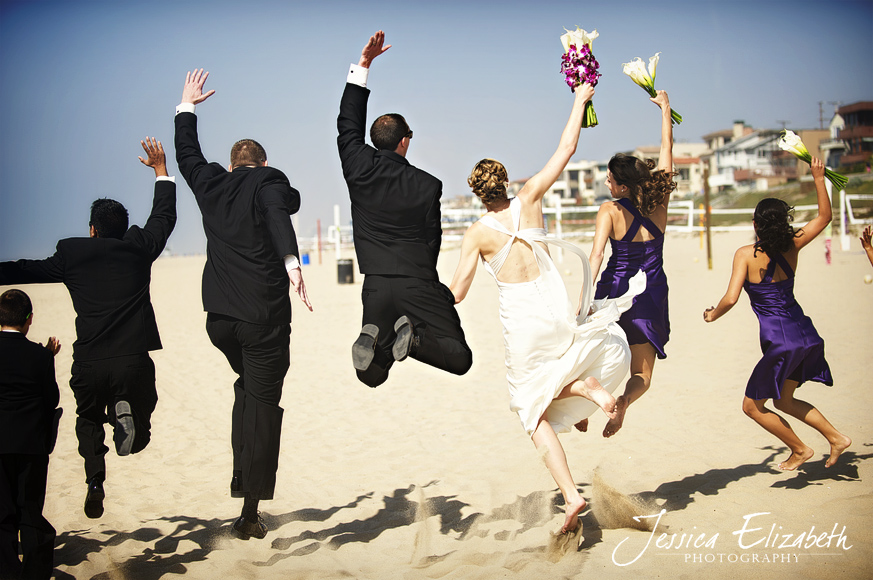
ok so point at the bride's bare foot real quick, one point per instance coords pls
(582, 425)
(571, 521)
(599, 396)
(796, 460)
(613, 425)
(836, 449)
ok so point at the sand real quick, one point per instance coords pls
(431, 476)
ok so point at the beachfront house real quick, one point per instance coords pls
(857, 134)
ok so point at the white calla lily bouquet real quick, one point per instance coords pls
(793, 144)
(579, 66)
(645, 78)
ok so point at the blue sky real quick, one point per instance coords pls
(82, 82)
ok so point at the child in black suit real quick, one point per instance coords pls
(28, 430)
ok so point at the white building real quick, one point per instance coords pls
(752, 161)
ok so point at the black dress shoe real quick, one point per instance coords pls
(246, 529)
(406, 341)
(364, 348)
(94, 497)
(124, 428)
(236, 485)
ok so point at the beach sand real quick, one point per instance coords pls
(431, 476)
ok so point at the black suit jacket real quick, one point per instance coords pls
(246, 216)
(108, 280)
(28, 396)
(395, 206)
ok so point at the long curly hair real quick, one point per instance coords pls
(773, 219)
(488, 180)
(647, 189)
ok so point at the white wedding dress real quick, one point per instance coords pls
(547, 346)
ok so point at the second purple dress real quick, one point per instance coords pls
(648, 319)
(791, 346)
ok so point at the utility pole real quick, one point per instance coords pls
(708, 225)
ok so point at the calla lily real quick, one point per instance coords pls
(579, 65)
(636, 70)
(792, 143)
(645, 78)
(653, 65)
(577, 38)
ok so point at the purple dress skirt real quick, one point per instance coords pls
(791, 346)
(648, 319)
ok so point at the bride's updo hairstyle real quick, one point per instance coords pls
(773, 219)
(648, 189)
(488, 180)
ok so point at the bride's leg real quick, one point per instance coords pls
(589, 388)
(546, 441)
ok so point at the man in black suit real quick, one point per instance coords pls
(28, 429)
(108, 276)
(251, 256)
(397, 234)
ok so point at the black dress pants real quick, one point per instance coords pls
(430, 306)
(97, 386)
(22, 497)
(259, 354)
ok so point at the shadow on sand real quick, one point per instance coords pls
(405, 507)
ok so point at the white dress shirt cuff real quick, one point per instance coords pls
(291, 262)
(358, 75)
(185, 108)
(166, 178)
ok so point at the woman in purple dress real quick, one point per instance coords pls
(793, 350)
(634, 224)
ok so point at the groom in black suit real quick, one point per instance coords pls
(108, 276)
(251, 256)
(397, 234)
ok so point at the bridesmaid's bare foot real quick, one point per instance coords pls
(613, 425)
(582, 425)
(836, 449)
(571, 521)
(796, 460)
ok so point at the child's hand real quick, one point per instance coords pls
(53, 345)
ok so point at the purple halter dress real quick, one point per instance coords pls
(648, 319)
(791, 346)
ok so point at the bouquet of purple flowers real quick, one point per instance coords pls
(579, 66)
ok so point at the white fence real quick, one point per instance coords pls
(456, 221)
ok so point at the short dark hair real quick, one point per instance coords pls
(109, 218)
(247, 152)
(15, 308)
(388, 130)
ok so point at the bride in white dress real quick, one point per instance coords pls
(560, 365)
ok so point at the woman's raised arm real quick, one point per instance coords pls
(537, 186)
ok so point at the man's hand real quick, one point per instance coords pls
(373, 49)
(193, 91)
(155, 156)
(53, 345)
(296, 277)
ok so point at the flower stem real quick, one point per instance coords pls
(590, 117)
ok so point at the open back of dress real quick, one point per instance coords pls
(547, 346)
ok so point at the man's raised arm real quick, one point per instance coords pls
(351, 123)
(162, 219)
(189, 157)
